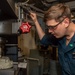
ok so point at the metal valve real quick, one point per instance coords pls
(24, 28)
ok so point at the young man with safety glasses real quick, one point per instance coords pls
(62, 33)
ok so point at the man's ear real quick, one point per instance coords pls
(66, 22)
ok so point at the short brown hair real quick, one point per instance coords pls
(57, 12)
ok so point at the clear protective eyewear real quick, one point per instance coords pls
(55, 26)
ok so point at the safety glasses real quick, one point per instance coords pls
(55, 26)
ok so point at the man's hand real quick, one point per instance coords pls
(33, 16)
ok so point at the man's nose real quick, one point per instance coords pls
(50, 30)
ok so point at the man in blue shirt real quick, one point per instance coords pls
(62, 33)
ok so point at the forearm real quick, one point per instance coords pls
(39, 29)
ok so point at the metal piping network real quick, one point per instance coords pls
(25, 27)
(27, 9)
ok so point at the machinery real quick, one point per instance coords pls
(14, 20)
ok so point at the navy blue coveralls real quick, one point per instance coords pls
(66, 54)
